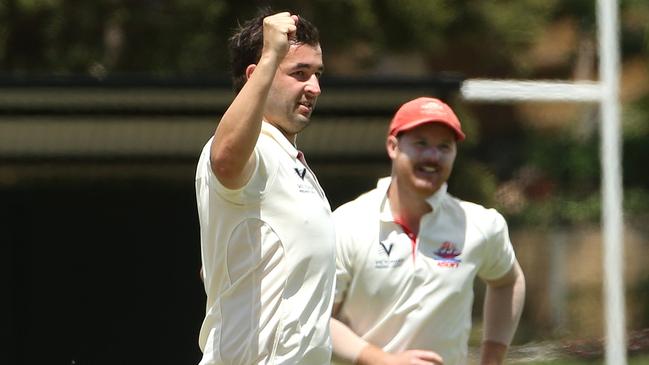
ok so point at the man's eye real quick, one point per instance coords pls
(446, 147)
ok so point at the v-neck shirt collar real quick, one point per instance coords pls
(385, 214)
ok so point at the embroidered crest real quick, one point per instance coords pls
(446, 255)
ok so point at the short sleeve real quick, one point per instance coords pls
(498, 251)
(263, 172)
(344, 253)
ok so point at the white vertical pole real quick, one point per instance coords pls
(609, 68)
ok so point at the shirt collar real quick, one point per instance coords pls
(274, 133)
(435, 200)
(385, 212)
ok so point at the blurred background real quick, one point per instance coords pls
(105, 106)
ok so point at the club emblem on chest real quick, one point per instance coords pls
(300, 172)
(446, 255)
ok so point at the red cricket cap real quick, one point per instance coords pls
(425, 110)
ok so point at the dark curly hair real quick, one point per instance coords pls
(248, 40)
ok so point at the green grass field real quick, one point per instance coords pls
(557, 353)
(634, 360)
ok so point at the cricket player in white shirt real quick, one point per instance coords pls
(267, 233)
(408, 253)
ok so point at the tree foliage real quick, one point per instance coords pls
(495, 39)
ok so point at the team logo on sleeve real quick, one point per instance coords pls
(446, 255)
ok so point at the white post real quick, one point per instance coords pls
(612, 232)
(606, 91)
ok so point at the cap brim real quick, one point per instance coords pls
(459, 135)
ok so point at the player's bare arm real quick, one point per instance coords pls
(374, 355)
(349, 346)
(235, 137)
(502, 310)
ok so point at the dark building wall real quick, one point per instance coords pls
(99, 270)
(102, 274)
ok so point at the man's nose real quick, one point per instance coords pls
(313, 86)
(432, 153)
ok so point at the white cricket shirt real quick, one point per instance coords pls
(399, 294)
(268, 257)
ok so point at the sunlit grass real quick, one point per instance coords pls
(634, 360)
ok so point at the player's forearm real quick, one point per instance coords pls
(493, 353)
(347, 345)
(350, 347)
(502, 311)
(371, 355)
(503, 307)
(237, 133)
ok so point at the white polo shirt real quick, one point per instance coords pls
(399, 294)
(268, 257)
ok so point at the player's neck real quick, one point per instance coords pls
(407, 206)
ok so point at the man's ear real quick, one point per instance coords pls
(392, 144)
(249, 70)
